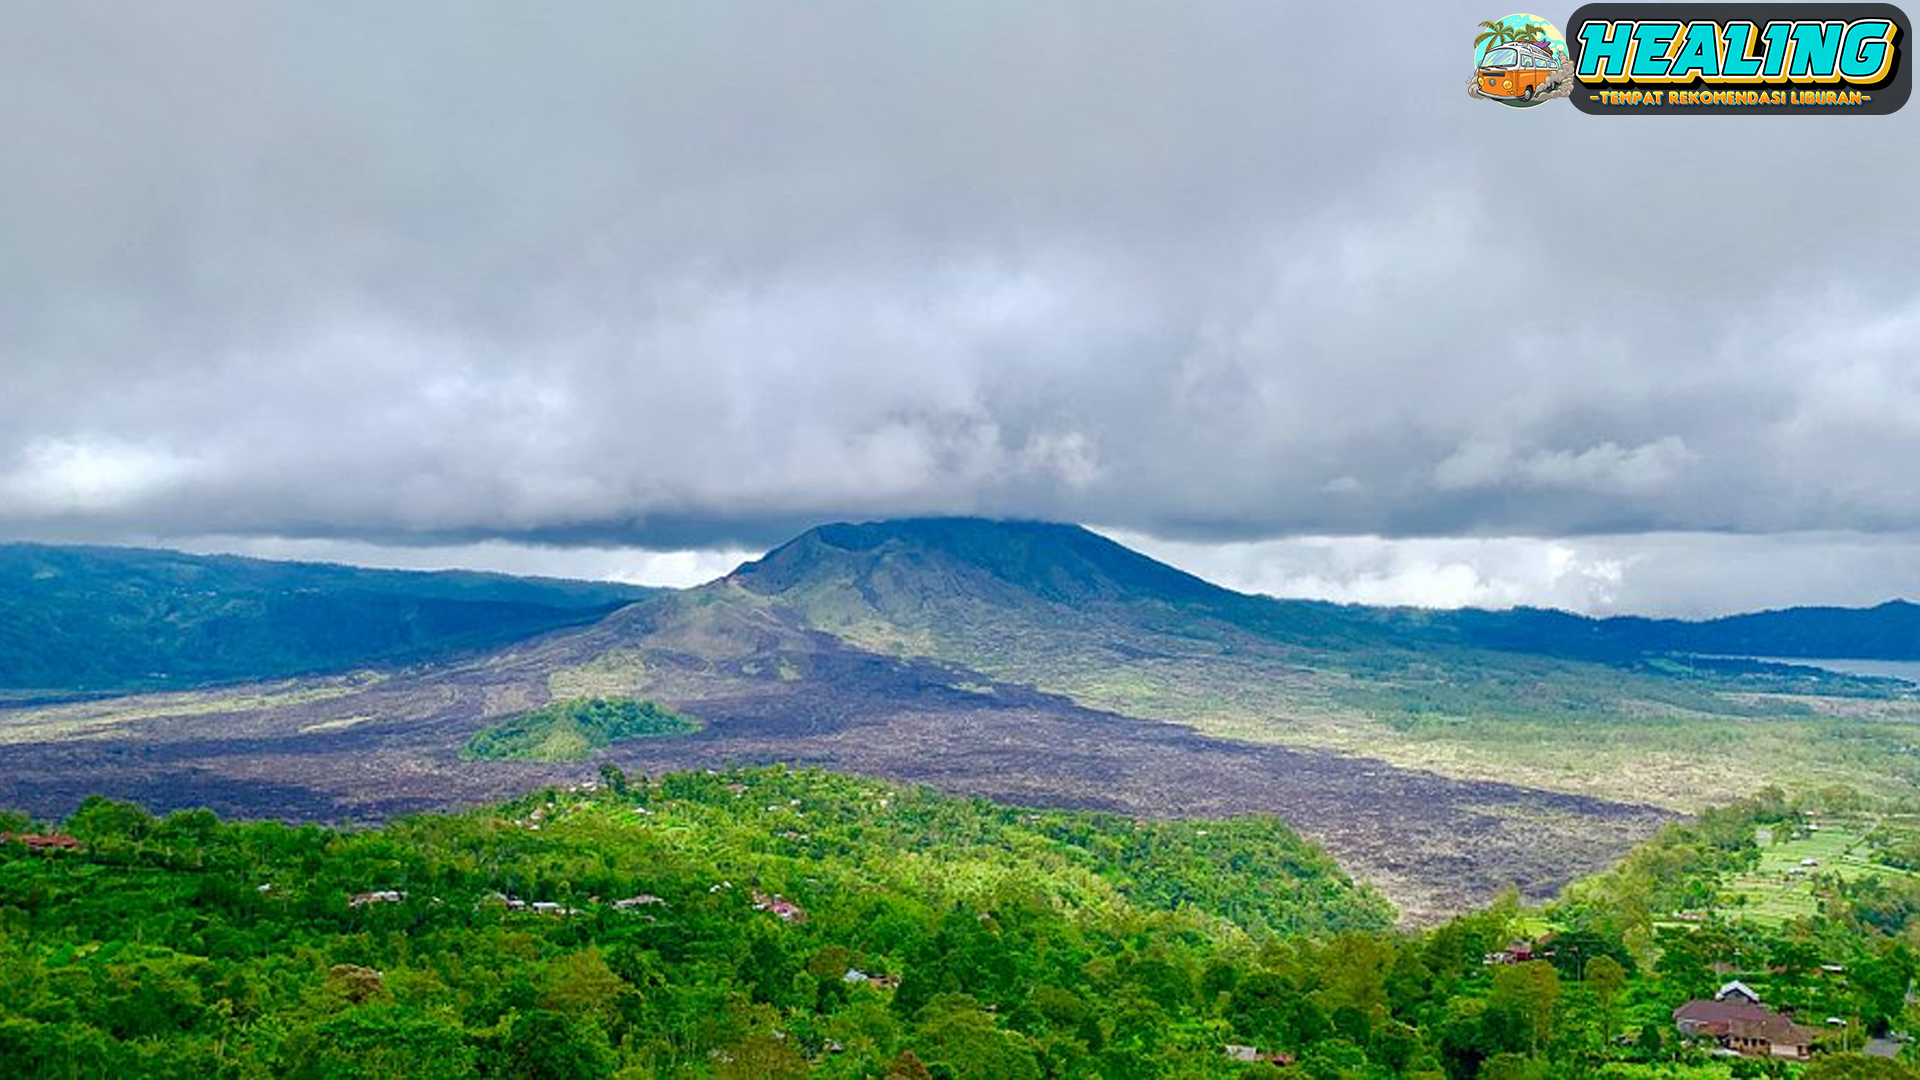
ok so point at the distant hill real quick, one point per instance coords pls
(1890, 631)
(101, 619)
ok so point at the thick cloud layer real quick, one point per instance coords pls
(695, 275)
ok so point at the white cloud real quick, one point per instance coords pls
(1445, 573)
(1661, 574)
(1665, 574)
(633, 566)
(58, 477)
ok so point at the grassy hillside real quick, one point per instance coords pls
(571, 730)
(94, 620)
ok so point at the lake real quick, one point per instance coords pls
(1908, 670)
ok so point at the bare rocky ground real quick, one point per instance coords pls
(772, 691)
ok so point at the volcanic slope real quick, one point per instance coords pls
(1612, 708)
(838, 652)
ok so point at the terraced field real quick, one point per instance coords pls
(1787, 883)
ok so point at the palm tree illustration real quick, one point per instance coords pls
(1498, 33)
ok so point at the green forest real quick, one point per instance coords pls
(572, 729)
(84, 621)
(771, 923)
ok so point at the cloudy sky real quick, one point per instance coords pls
(636, 290)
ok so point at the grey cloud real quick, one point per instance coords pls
(1605, 468)
(698, 274)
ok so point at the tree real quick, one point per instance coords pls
(546, 1045)
(1682, 967)
(957, 1035)
(355, 983)
(387, 1042)
(908, 1067)
(1856, 1067)
(615, 778)
(99, 818)
(1652, 1042)
(763, 1055)
(1466, 1038)
(1512, 1067)
(581, 983)
(1527, 992)
(1606, 977)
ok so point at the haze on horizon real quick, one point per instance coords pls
(639, 291)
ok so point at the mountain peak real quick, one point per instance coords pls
(1050, 561)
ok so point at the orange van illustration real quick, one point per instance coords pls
(1518, 69)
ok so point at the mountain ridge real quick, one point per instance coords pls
(1067, 565)
(95, 619)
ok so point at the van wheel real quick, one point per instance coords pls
(1527, 93)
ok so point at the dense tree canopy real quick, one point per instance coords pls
(766, 924)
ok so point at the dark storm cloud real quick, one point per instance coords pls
(697, 274)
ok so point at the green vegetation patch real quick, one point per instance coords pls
(573, 729)
(750, 924)
(767, 923)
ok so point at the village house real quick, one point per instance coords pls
(1520, 951)
(43, 841)
(643, 900)
(382, 896)
(1737, 1021)
(879, 982)
(785, 910)
(1241, 1052)
(538, 907)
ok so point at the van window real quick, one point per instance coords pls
(1501, 58)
